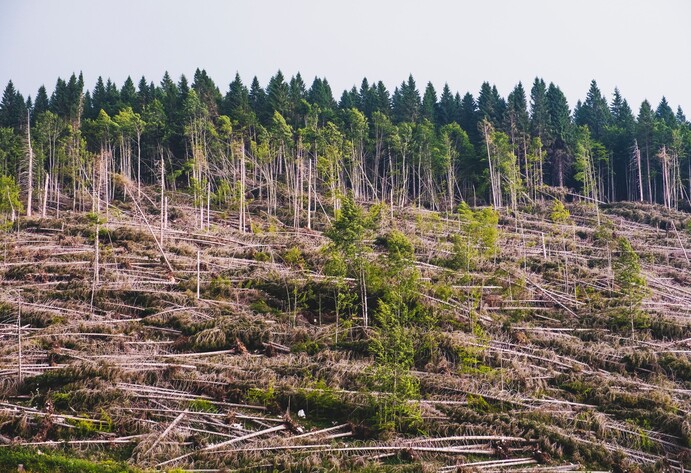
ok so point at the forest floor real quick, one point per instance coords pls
(218, 349)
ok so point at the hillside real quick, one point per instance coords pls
(549, 338)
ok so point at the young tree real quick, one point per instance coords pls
(631, 283)
(347, 234)
(9, 198)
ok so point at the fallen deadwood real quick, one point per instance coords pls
(224, 444)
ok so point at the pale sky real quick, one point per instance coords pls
(641, 46)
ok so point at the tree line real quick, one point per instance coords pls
(290, 146)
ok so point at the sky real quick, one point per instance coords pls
(643, 47)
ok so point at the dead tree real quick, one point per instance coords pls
(30, 179)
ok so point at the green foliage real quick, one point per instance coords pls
(392, 343)
(95, 219)
(202, 405)
(9, 197)
(393, 400)
(479, 404)
(347, 250)
(220, 286)
(348, 230)
(293, 258)
(35, 461)
(627, 271)
(266, 397)
(479, 236)
(399, 248)
(559, 213)
(262, 256)
(322, 400)
(11, 151)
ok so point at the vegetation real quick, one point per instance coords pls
(398, 147)
(273, 280)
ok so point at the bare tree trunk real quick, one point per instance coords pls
(30, 180)
(241, 223)
(96, 266)
(493, 185)
(139, 164)
(363, 295)
(19, 341)
(45, 196)
(637, 157)
(198, 275)
(309, 193)
(163, 188)
(647, 163)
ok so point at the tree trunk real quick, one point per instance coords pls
(163, 188)
(30, 179)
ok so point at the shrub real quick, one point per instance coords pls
(559, 214)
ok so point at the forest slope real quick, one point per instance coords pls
(550, 338)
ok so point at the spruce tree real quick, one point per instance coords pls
(428, 109)
(10, 107)
(41, 103)
(447, 109)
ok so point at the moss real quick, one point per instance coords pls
(36, 461)
(202, 405)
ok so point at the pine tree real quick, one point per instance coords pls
(560, 133)
(297, 95)
(41, 104)
(428, 109)
(486, 105)
(468, 118)
(594, 112)
(347, 100)
(97, 102)
(145, 95)
(320, 93)
(128, 94)
(406, 102)
(367, 98)
(539, 114)
(11, 107)
(447, 109)
(258, 102)
(619, 137)
(277, 94)
(517, 111)
(680, 116)
(383, 99)
(664, 112)
(236, 103)
(645, 127)
(207, 91)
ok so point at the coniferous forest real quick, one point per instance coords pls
(275, 278)
(408, 146)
